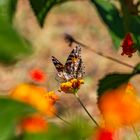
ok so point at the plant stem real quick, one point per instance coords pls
(71, 40)
(94, 121)
(66, 122)
(135, 131)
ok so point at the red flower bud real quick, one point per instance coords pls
(128, 45)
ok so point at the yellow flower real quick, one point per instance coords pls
(120, 106)
(71, 86)
(37, 97)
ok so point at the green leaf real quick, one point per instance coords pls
(137, 69)
(35, 136)
(137, 36)
(133, 28)
(12, 46)
(112, 19)
(10, 112)
(118, 25)
(42, 7)
(134, 24)
(112, 81)
(131, 21)
(54, 131)
(7, 9)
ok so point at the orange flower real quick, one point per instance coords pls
(128, 45)
(37, 75)
(34, 124)
(71, 86)
(37, 97)
(51, 97)
(120, 106)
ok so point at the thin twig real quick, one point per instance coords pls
(66, 122)
(71, 40)
(94, 121)
(135, 131)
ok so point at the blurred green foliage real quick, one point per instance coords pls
(79, 129)
(111, 17)
(119, 22)
(42, 8)
(7, 9)
(10, 116)
(112, 81)
(10, 113)
(12, 46)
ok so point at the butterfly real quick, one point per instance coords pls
(73, 68)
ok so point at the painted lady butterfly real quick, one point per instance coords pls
(73, 67)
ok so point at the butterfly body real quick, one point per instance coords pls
(73, 67)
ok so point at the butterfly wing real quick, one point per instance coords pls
(74, 65)
(72, 60)
(80, 69)
(58, 65)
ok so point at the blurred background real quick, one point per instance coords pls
(81, 20)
